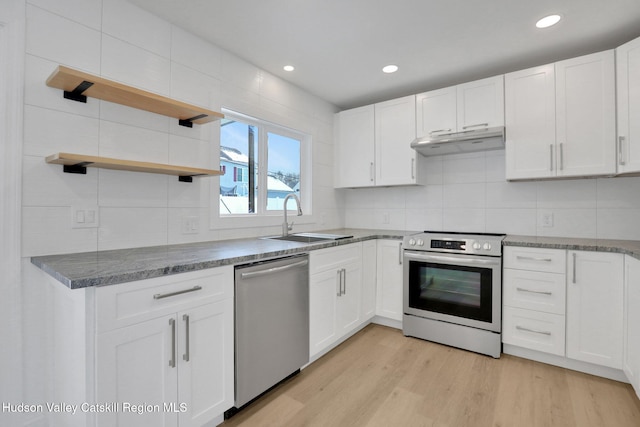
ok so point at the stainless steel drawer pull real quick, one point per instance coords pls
(400, 253)
(273, 270)
(475, 126)
(530, 258)
(574, 268)
(561, 156)
(173, 294)
(413, 168)
(551, 157)
(371, 175)
(620, 151)
(344, 281)
(339, 293)
(185, 356)
(522, 328)
(534, 292)
(439, 130)
(172, 361)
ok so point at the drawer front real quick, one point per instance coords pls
(535, 259)
(129, 303)
(329, 258)
(534, 330)
(534, 290)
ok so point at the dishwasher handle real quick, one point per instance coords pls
(273, 270)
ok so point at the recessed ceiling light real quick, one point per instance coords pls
(390, 69)
(288, 68)
(548, 21)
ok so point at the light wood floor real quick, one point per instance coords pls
(381, 378)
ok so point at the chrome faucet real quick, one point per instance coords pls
(286, 228)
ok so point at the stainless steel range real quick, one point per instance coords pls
(453, 289)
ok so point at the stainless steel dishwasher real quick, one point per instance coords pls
(272, 324)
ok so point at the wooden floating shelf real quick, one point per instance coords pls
(78, 163)
(78, 85)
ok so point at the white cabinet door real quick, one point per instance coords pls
(355, 152)
(389, 298)
(530, 116)
(205, 362)
(138, 365)
(481, 104)
(369, 250)
(436, 112)
(631, 359)
(628, 90)
(585, 113)
(594, 307)
(395, 128)
(349, 304)
(323, 290)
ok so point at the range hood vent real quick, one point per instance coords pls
(461, 142)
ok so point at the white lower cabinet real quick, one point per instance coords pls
(335, 295)
(389, 286)
(160, 351)
(594, 307)
(369, 279)
(534, 299)
(631, 356)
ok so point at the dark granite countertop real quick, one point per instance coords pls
(81, 270)
(627, 247)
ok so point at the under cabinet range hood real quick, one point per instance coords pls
(460, 142)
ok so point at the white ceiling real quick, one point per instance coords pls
(339, 46)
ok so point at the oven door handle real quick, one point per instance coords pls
(413, 256)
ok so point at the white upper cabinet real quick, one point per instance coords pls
(530, 117)
(628, 91)
(395, 129)
(436, 112)
(469, 106)
(560, 119)
(586, 115)
(355, 152)
(481, 104)
(373, 145)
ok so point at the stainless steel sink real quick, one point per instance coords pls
(309, 237)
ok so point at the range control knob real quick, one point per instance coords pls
(487, 246)
(420, 242)
(476, 245)
(412, 242)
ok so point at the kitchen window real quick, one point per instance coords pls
(262, 163)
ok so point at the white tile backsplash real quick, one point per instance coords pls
(133, 143)
(194, 87)
(191, 51)
(85, 12)
(131, 189)
(127, 227)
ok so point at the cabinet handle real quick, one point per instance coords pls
(530, 258)
(551, 157)
(344, 281)
(371, 172)
(561, 156)
(413, 168)
(574, 268)
(522, 328)
(534, 292)
(621, 151)
(185, 356)
(475, 126)
(172, 294)
(339, 283)
(439, 130)
(400, 253)
(172, 361)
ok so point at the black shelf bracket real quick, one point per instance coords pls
(76, 94)
(80, 168)
(189, 122)
(183, 178)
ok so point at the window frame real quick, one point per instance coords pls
(262, 216)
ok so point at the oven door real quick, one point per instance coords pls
(460, 289)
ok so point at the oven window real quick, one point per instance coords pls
(456, 290)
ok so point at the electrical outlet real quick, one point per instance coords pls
(85, 217)
(190, 225)
(547, 219)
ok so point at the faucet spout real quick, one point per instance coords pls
(286, 227)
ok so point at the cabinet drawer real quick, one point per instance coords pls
(329, 258)
(534, 330)
(534, 290)
(535, 259)
(129, 303)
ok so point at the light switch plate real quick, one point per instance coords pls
(547, 219)
(85, 216)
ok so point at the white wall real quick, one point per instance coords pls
(117, 40)
(468, 192)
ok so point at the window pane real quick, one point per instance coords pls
(283, 170)
(239, 161)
